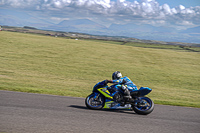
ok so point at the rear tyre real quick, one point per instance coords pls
(144, 106)
(95, 102)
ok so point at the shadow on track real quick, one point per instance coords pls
(107, 110)
(78, 107)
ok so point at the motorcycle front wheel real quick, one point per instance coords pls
(95, 102)
(143, 106)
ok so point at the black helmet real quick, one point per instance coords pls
(116, 75)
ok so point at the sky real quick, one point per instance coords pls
(174, 3)
(173, 13)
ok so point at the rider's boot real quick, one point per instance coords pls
(122, 103)
(127, 94)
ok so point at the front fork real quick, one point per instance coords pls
(96, 97)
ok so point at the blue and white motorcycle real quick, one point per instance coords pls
(103, 97)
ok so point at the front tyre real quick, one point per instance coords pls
(143, 106)
(94, 101)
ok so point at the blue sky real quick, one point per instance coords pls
(186, 3)
(172, 13)
(174, 3)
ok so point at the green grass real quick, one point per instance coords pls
(162, 46)
(68, 67)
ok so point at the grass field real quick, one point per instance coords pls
(68, 67)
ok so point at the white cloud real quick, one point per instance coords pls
(166, 9)
(181, 7)
(185, 23)
(109, 10)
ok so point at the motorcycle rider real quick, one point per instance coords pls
(127, 83)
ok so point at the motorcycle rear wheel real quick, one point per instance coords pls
(95, 102)
(144, 106)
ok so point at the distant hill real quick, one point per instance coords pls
(78, 22)
(140, 28)
(75, 35)
(140, 31)
(18, 18)
(78, 25)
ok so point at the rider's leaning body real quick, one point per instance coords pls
(127, 83)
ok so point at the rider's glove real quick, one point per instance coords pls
(106, 81)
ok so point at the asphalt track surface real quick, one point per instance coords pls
(36, 113)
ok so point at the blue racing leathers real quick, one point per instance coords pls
(127, 82)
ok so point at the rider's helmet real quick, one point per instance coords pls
(116, 75)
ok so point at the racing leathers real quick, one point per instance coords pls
(127, 85)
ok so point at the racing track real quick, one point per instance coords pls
(36, 113)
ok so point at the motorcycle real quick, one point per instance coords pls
(103, 97)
